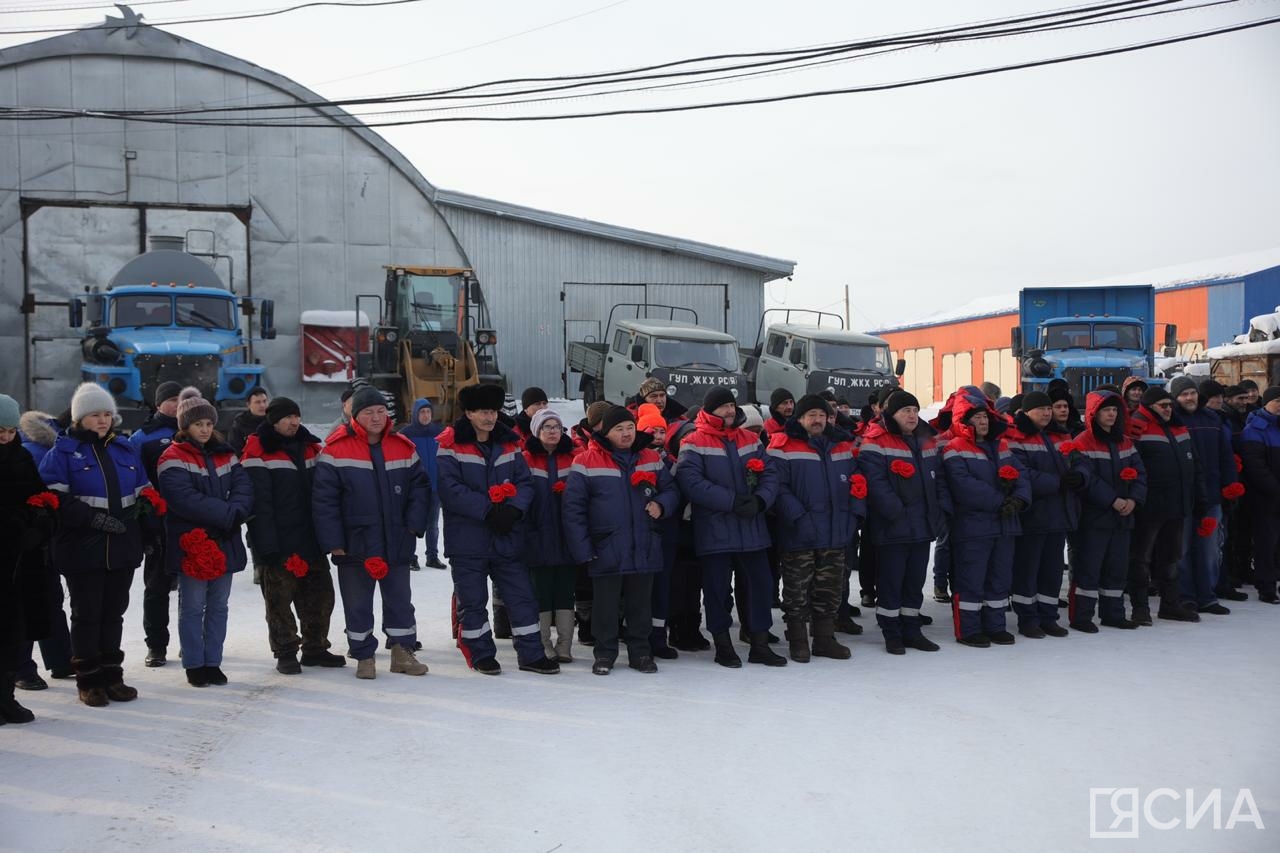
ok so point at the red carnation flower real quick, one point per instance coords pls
(376, 567)
(509, 489)
(1128, 474)
(296, 566)
(755, 465)
(43, 500)
(497, 494)
(905, 470)
(1233, 491)
(1206, 527)
(557, 486)
(1239, 463)
(644, 478)
(1008, 472)
(159, 504)
(858, 486)
(202, 559)
(1066, 448)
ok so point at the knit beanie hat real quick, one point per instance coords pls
(753, 420)
(596, 411)
(780, 396)
(540, 419)
(532, 395)
(716, 398)
(9, 413)
(1234, 391)
(192, 407)
(90, 398)
(364, 398)
(1182, 383)
(1272, 393)
(1035, 400)
(808, 403)
(1211, 388)
(899, 399)
(1058, 393)
(282, 407)
(613, 417)
(167, 391)
(649, 418)
(1155, 395)
(651, 386)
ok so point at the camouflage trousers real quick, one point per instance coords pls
(812, 581)
(310, 595)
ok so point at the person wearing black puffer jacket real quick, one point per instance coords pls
(1175, 493)
(1260, 449)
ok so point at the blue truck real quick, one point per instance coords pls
(167, 316)
(1089, 336)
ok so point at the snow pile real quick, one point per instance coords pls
(1236, 350)
(1265, 327)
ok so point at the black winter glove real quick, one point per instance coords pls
(1074, 480)
(747, 506)
(502, 518)
(1012, 506)
(107, 523)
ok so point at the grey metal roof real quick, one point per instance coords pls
(826, 333)
(676, 328)
(777, 266)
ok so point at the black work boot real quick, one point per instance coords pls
(825, 644)
(798, 641)
(761, 653)
(725, 654)
(10, 710)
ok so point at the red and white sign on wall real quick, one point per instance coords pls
(330, 341)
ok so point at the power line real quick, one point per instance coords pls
(6, 10)
(108, 25)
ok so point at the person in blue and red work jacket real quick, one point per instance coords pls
(726, 474)
(1055, 510)
(549, 454)
(485, 491)
(1260, 450)
(988, 491)
(1115, 484)
(369, 505)
(618, 490)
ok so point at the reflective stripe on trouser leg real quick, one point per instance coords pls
(1089, 545)
(969, 559)
(995, 589)
(356, 588)
(399, 622)
(1115, 568)
(1028, 552)
(471, 594)
(522, 608)
(1049, 577)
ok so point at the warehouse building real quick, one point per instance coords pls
(305, 216)
(1210, 302)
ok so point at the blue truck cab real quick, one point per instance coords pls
(1088, 336)
(166, 316)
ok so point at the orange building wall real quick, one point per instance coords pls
(1188, 308)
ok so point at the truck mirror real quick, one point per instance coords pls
(267, 320)
(900, 368)
(1015, 341)
(97, 310)
(1170, 340)
(637, 353)
(75, 312)
(796, 357)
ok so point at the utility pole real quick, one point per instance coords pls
(846, 307)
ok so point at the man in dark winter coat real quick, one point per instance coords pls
(730, 482)
(1260, 452)
(1132, 390)
(820, 499)
(782, 404)
(1175, 495)
(532, 400)
(280, 460)
(1054, 511)
(1237, 552)
(247, 422)
(1198, 570)
(423, 430)
(369, 505)
(151, 439)
(485, 491)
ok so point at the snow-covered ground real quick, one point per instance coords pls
(959, 750)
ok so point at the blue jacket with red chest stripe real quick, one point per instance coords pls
(814, 505)
(973, 482)
(282, 471)
(369, 500)
(605, 523)
(467, 470)
(902, 509)
(205, 487)
(1102, 458)
(712, 472)
(544, 530)
(1055, 508)
(1175, 480)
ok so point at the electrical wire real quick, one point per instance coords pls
(8, 10)
(110, 25)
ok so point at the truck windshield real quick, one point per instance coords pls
(430, 303)
(671, 352)
(1099, 336)
(206, 312)
(831, 356)
(142, 310)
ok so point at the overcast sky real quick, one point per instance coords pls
(919, 199)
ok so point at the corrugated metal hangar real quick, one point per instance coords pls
(304, 216)
(1209, 309)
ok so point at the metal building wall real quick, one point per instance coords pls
(523, 266)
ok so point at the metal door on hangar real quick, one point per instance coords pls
(586, 308)
(72, 245)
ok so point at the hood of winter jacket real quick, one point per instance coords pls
(1132, 380)
(966, 406)
(643, 441)
(38, 427)
(565, 445)
(464, 433)
(947, 413)
(710, 423)
(1092, 404)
